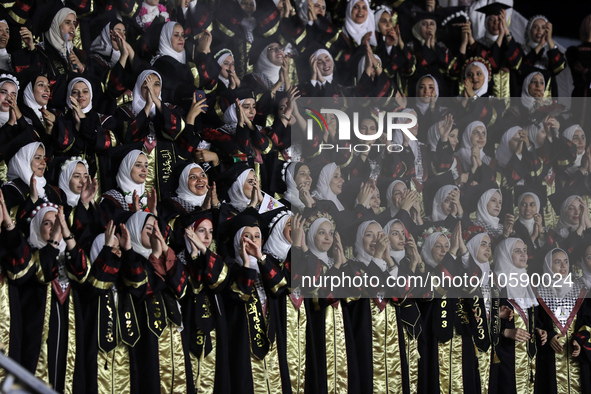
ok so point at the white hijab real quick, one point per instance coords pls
(560, 288)
(292, 194)
(138, 102)
(183, 191)
(124, 181)
(4, 116)
(236, 193)
(529, 41)
(135, 225)
(55, 37)
(103, 45)
(221, 57)
(564, 227)
(484, 88)
(357, 31)
(30, 101)
(422, 106)
(427, 249)
(569, 133)
(230, 117)
(5, 59)
(277, 245)
(20, 167)
(323, 51)
(165, 46)
(527, 100)
(586, 278)
(523, 295)
(266, 67)
(413, 144)
(440, 196)
(473, 246)
(504, 153)
(253, 260)
(71, 86)
(323, 191)
(397, 255)
(390, 201)
(360, 252)
(64, 181)
(465, 152)
(35, 230)
(323, 256)
(482, 214)
(528, 223)
(97, 247)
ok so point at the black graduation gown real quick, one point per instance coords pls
(204, 318)
(110, 318)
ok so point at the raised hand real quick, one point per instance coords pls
(197, 108)
(110, 234)
(49, 119)
(88, 192)
(27, 38)
(444, 126)
(153, 201)
(124, 238)
(33, 189)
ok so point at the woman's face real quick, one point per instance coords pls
(514, 142)
(41, 90)
(528, 207)
(426, 89)
(287, 230)
(492, 24)
(81, 93)
(38, 163)
(538, 29)
(119, 28)
(177, 41)
(139, 171)
(370, 237)
(250, 108)
(324, 237)
(494, 205)
(374, 200)
(147, 232)
(254, 234)
(325, 64)
(446, 204)
(440, 248)
(227, 65)
(47, 225)
(580, 141)
(68, 26)
(454, 138)
(478, 137)
(7, 96)
(250, 182)
(116, 248)
(197, 181)
(519, 254)
(573, 211)
(536, 86)
(368, 127)
(4, 35)
(476, 76)
(157, 87)
(484, 251)
(320, 8)
(204, 232)
(248, 6)
(359, 12)
(336, 182)
(303, 178)
(560, 263)
(541, 137)
(78, 178)
(276, 54)
(385, 23)
(587, 257)
(398, 191)
(397, 237)
(428, 28)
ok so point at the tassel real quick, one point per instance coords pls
(496, 359)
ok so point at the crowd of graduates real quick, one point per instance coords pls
(162, 197)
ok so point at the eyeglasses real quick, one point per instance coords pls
(276, 49)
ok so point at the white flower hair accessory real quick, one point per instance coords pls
(278, 217)
(431, 230)
(12, 78)
(74, 159)
(40, 207)
(454, 16)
